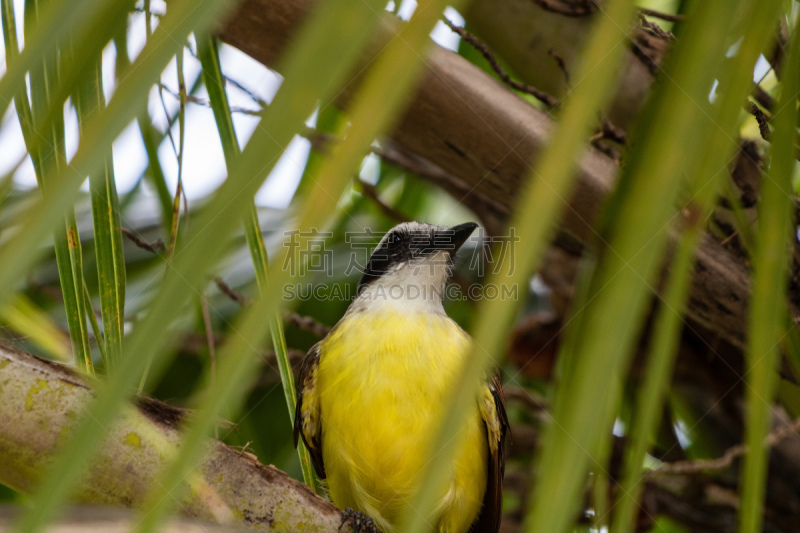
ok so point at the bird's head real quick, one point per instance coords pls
(413, 256)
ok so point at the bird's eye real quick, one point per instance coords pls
(393, 239)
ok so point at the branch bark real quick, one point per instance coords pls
(87, 519)
(40, 402)
(559, 29)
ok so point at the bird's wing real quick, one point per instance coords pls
(307, 422)
(493, 412)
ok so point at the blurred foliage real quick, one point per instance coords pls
(39, 318)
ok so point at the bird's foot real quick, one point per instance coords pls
(361, 522)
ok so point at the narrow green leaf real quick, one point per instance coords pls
(22, 249)
(643, 208)
(16, 256)
(768, 307)
(107, 233)
(316, 67)
(54, 22)
(653, 389)
(52, 157)
(98, 335)
(179, 191)
(539, 207)
(26, 318)
(215, 84)
(152, 139)
(374, 107)
(71, 68)
(706, 178)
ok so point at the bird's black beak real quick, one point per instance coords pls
(451, 239)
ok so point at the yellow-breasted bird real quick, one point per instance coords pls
(373, 392)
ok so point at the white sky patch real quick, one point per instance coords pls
(682, 432)
(130, 158)
(619, 428)
(72, 133)
(137, 34)
(712, 94)
(109, 70)
(370, 169)
(539, 287)
(407, 8)
(203, 161)
(257, 78)
(761, 68)
(11, 141)
(444, 36)
(191, 70)
(25, 176)
(282, 182)
(244, 125)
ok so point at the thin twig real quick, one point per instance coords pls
(763, 97)
(571, 9)
(726, 460)
(669, 17)
(547, 99)
(209, 335)
(306, 323)
(320, 142)
(763, 124)
(530, 399)
(155, 247)
(488, 210)
(157, 14)
(205, 103)
(728, 239)
(763, 121)
(371, 193)
(161, 89)
(253, 96)
(609, 132)
(226, 289)
(614, 132)
(657, 30)
(562, 65)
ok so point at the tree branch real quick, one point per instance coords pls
(726, 460)
(90, 519)
(481, 47)
(39, 404)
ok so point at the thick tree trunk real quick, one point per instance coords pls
(40, 401)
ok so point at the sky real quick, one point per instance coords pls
(203, 161)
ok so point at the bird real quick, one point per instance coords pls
(373, 392)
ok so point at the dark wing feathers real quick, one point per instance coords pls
(493, 411)
(307, 423)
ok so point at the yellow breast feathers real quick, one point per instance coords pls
(379, 388)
